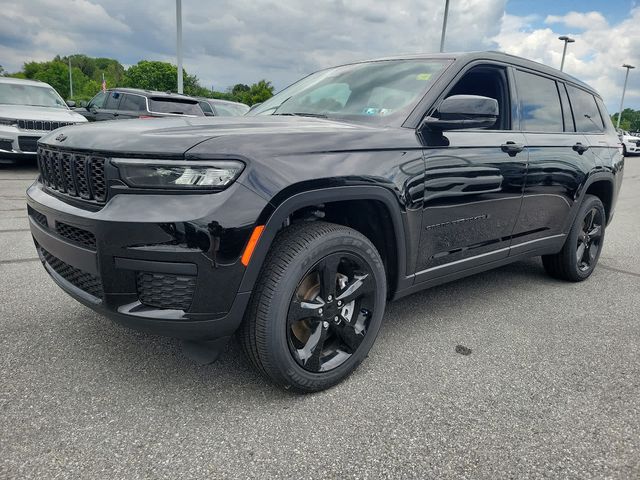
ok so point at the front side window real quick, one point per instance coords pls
(98, 100)
(134, 103)
(585, 111)
(540, 109)
(33, 95)
(359, 91)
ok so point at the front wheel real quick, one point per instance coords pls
(317, 306)
(579, 256)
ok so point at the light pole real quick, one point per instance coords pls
(70, 78)
(566, 40)
(624, 89)
(179, 42)
(444, 25)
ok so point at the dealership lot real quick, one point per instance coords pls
(551, 387)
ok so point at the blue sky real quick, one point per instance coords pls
(242, 41)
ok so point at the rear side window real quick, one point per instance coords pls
(174, 105)
(206, 108)
(585, 111)
(540, 109)
(604, 114)
(112, 100)
(133, 102)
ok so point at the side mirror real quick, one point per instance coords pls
(83, 103)
(209, 114)
(464, 111)
(70, 103)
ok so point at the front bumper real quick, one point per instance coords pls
(17, 144)
(165, 264)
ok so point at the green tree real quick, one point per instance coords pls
(152, 75)
(257, 93)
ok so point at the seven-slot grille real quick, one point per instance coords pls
(75, 174)
(42, 125)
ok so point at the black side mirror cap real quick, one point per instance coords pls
(464, 111)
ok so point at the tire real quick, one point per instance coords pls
(285, 334)
(624, 150)
(581, 251)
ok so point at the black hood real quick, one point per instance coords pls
(174, 136)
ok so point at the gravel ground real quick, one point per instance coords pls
(551, 387)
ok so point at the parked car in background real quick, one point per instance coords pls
(213, 107)
(630, 142)
(294, 224)
(124, 103)
(28, 110)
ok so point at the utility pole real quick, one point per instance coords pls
(566, 40)
(70, 78)
(179, 42)
(444, 25)
(624, 89)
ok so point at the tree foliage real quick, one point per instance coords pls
(88, 73)
(630, 120)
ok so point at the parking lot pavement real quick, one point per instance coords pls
(551, 388)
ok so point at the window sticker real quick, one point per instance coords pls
(423, 76)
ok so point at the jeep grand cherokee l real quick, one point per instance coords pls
(357, 185)
(28, 110)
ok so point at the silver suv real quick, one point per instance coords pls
(28, 110)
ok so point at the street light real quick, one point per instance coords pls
(179, 42)
(624, 89)
(444, 25)
(566, 40)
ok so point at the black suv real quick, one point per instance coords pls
(356, 185)
(126, 103)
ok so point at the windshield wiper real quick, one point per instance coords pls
(302, 114)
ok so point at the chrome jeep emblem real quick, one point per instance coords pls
(61, 138)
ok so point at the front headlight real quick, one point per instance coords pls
(9, 122)
(188, 175)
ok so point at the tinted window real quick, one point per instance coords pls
(540, 109)
(175, 105)
(585, 110)
(133, 102)
(604, 115)
(112, 100)
(98, 100)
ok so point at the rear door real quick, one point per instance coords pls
(559, 160)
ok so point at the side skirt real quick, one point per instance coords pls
(433, 277)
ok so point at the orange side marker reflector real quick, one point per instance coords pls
(251, 246)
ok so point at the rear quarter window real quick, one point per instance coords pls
(175, 105)
(585, 111)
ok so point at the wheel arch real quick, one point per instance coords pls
(275, 218)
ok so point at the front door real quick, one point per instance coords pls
(473, 185)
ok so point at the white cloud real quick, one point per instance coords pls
(595, 57)
(231, 41)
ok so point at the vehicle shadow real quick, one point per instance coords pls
(160, 361)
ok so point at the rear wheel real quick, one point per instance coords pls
(579, 256)
(317, 306)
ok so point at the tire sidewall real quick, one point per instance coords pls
(277, 341)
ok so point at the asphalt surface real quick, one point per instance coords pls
(551, 387)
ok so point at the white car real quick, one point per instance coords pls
(28, 110)
(630, 143)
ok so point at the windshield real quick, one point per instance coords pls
(359, 91)
(19, 94)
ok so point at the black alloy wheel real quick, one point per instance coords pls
(589, 239)
(317, 306)
(579, 255)
(330, 311)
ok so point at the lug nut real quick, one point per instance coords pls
(319, 311)
(325, 324)
(339, 303)
(336, 319)
(329, 298)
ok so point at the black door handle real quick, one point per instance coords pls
(512, 148)
(580, 148)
